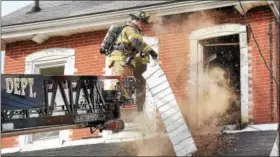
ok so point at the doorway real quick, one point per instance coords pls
(212, 38)
(220, 90)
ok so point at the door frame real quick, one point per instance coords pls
(196, 63)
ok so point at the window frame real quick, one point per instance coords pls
(52, 57)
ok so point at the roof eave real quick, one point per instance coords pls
(105, 19)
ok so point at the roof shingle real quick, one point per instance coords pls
(64, 9)
(256, 143)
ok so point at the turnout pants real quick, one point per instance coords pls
(124, 71)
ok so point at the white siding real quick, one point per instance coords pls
(170, 112)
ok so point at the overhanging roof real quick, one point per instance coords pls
(87, 20)
(55, 10)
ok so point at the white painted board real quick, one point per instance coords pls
(163, 97)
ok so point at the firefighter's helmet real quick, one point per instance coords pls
(140, 16)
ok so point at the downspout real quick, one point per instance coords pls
(277, 27)
(250, 5)
(271, 67)
(275, 11)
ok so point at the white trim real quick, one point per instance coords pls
(274, 9)
(252, 4)
(48, 58)
(196, 61)
(40, 38)
(10, 150)
(64, 52)
(2, 61)
(216, 31)
(104, 19)
(250, 128)
(24, 145)
(275, 148)
(53, 56)
(248, 6)
(82, 142)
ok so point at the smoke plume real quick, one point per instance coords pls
(216, 95)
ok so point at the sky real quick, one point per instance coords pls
(6, 8)
(11, 6)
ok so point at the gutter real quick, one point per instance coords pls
(88, 14)
(274, 9)
(101, 21)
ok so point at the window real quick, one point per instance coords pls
(50, 70)
(59, 70)
(50, 58)
(45, 136)
(54, 61)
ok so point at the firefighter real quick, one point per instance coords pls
(130, 47)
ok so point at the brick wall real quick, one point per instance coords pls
(88, 62)
(174, 54)
(260, 74)
(277, 64)
(86, 45)
(9, 142)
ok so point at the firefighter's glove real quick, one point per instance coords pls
(101, 51)
(143, 55)
(153, 54)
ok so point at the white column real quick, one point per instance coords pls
(244, 71)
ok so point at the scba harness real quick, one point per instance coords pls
(108, 44)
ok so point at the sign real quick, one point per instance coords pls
(18, 86)
(21, 91)
(91, 117)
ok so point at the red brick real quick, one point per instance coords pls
(83, 133)
(174, 49)
(9, 142)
